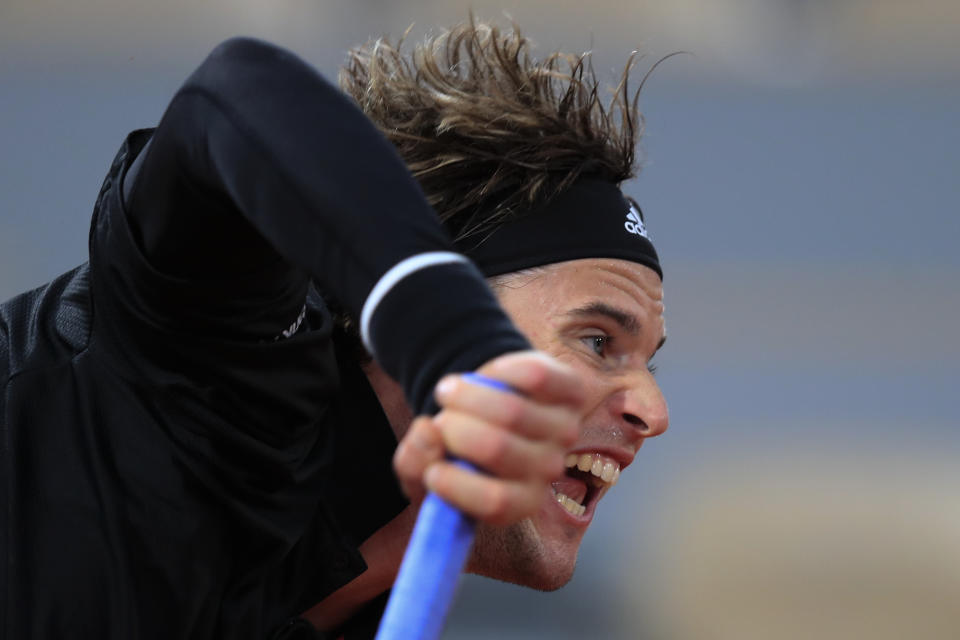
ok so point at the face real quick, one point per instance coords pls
(604, 318)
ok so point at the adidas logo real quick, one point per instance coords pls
(634, 223)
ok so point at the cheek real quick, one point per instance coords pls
(595, 387)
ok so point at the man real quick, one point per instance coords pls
(194, 448)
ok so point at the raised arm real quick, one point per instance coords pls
(260, 166)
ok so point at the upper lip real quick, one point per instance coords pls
(622, 456)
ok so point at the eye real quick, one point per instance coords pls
(599, 344)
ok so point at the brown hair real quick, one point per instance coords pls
(489, 131)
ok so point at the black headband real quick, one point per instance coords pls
(591, 219)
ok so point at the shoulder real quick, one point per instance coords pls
(45, 324)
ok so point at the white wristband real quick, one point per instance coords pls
(397, 273)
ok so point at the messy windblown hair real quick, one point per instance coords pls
(488, 130)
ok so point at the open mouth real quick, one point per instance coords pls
(588, 477)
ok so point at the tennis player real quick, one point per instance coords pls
(200, 425)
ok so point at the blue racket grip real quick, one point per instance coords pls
(435, 556)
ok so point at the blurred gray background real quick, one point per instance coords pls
(802, 184)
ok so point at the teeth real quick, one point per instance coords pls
(597, 467)
(585, 462)
(604, 473)
(607, 472)
(568, 503)
(602, 467)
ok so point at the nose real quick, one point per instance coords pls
(643, 406)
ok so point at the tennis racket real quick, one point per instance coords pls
(430, 571)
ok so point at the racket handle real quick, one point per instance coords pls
(435, 556)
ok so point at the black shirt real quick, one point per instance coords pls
(186, 448)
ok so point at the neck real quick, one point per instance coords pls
(390, 396)
(382, 551)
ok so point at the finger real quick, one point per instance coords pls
(498, 451)
(510, 411)
(420, 447)
(498, 502)
(537, 376)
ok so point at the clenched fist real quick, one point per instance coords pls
(518, 439)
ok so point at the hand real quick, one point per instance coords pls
(519, 439)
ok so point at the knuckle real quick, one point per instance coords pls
(436, 478)
(422, 436)
(538, 375)
(514, 411)
(498, 503)
(564, 424)
(551, 463)
(495, 448)
(400, 457)
(569, 431)
(525, 501)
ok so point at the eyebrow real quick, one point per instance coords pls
(626, 321)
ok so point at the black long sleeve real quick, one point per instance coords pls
(262, 173)
(175, 460)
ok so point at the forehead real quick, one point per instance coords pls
(555, 288)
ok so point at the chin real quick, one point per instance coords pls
(522, 555)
